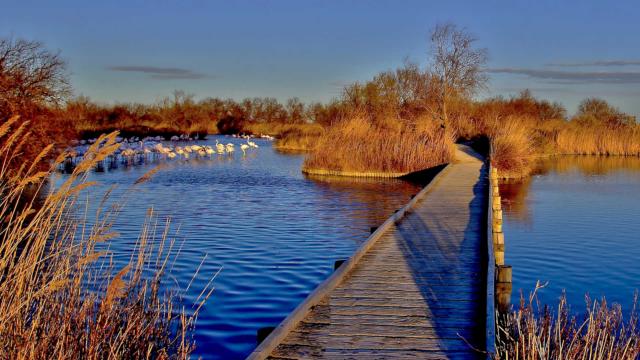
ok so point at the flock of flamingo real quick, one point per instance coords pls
(136, 150)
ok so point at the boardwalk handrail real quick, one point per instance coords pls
(266, 347)
(490, 345)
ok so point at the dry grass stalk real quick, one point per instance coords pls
(535, 332)
(511, 149)
(59, 297)
(359, 145)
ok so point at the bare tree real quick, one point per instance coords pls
(456, 63)
(30, 75)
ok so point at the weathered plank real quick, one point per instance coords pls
(416, 290)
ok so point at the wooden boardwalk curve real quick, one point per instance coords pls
(415, 290)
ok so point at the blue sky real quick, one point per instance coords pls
(143, 50)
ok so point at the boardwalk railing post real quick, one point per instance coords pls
(503, 272)
(503, 287)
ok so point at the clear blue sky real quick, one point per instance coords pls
(143, 50)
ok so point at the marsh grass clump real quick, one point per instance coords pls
(536, 332)
(511, 149)
(302, 137)
(62, 295)
(360, 145)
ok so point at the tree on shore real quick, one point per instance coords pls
(30, 76)
(456, 64)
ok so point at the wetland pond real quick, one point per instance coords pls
(575, 224)
(273, 232)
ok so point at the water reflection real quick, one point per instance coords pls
(574, 223)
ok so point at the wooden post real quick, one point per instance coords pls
(496, 203)
(494, 173)
(499, 255)
(503, 287)
(498, 238)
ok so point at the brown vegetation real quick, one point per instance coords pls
(532, 332)
(61, 295)
(359, 145)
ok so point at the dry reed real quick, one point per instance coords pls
(535, 332)
(511, 150)
(61, 294)
(359, 145)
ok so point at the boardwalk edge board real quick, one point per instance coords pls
(266, 347)
(490, 343)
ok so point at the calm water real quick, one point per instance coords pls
(274, 233)
(576, 225)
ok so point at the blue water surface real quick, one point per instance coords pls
(273, 233)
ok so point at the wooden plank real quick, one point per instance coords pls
(375, 342)
(315, 352)
(432, 331)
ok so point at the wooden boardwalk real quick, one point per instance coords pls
(415, 290)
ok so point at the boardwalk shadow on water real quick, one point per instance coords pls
(449, 272)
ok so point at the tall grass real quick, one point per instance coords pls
(535, 332)
(599, 140)
(359, 145)
(61, 294)
(511, 149)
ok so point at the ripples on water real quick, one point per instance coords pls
(576, 224)
(274, 233)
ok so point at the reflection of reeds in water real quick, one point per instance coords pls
(537, 332)
(515, 192)
(587, 164)
(61, 294)
(370, 197)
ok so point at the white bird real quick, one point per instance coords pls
(230, 148)
(172, 155)
(220, 147)
(244, 147)
(252, 144)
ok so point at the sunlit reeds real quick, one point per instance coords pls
(534, 332)
(599, 140)
(511, 150)
(61, 293)
(359, 145)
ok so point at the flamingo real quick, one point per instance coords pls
(244, 147)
